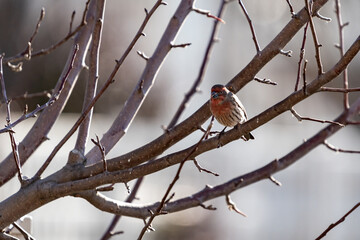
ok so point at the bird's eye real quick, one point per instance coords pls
(214, 95)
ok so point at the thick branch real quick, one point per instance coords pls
(93, 77)
(208, 193)
(147, 79)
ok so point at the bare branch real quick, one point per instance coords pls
(232, 207)
(309, 9)
(291, 8)
(109, 232)
(302, 54)
(146, 81)
(183, 45)
(146, 152)
(251, 27)
(71, 21)
(54, 98)
(200, 77)
(28, 51)
(341, 49)
(300, 118)
(26, 235)
(14, 145)
(287, 53)
(102, 149)
(265, 80)
(304, 76)
(42, 126)
(98, 95)
(276, 182)
(335, 149)
(191, 124)
(338, 222)
(159, 209)
(11, 213)
(341, 90)
(80, 180)
(26, 95)
(93, 77)
(208, 14)
(317, 14)
(201, 169)
(142, 54)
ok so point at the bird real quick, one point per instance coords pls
(227, 109)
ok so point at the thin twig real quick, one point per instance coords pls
(341, 49)
(71, 21)
(142, 55)
(183, 45)
(327, 19)
(302, 54)
(304, 77)
(21, 56)
(278, 183)
(232, 206)
(338, 222)
(200, 77)
(102, 150)
(317, 45)
(201, 169)
(208, 14)
(25, 234)
(300, 118)
(26, 95)
(26, 114)
(291, 8)
(27, 52)
(83, 19)
(177, 176)
(287, 53)
(109, 232)
(93, 76)
(251, 26)
(14, 145)
(335, 149)
(265, 81)
(341, 90)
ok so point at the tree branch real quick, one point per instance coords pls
(338, 222)
(191, 124)
(251, 27)
(147, 79)
(200, 77)
(93, 77)
(46, 120)
(22, 56)
(341, 49)
(208, 193)
(309, 9)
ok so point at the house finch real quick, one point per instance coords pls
(227, 108)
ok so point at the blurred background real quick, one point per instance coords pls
(316, 191)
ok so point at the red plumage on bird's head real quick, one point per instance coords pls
(218, 93)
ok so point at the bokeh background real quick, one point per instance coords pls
(316, 191)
